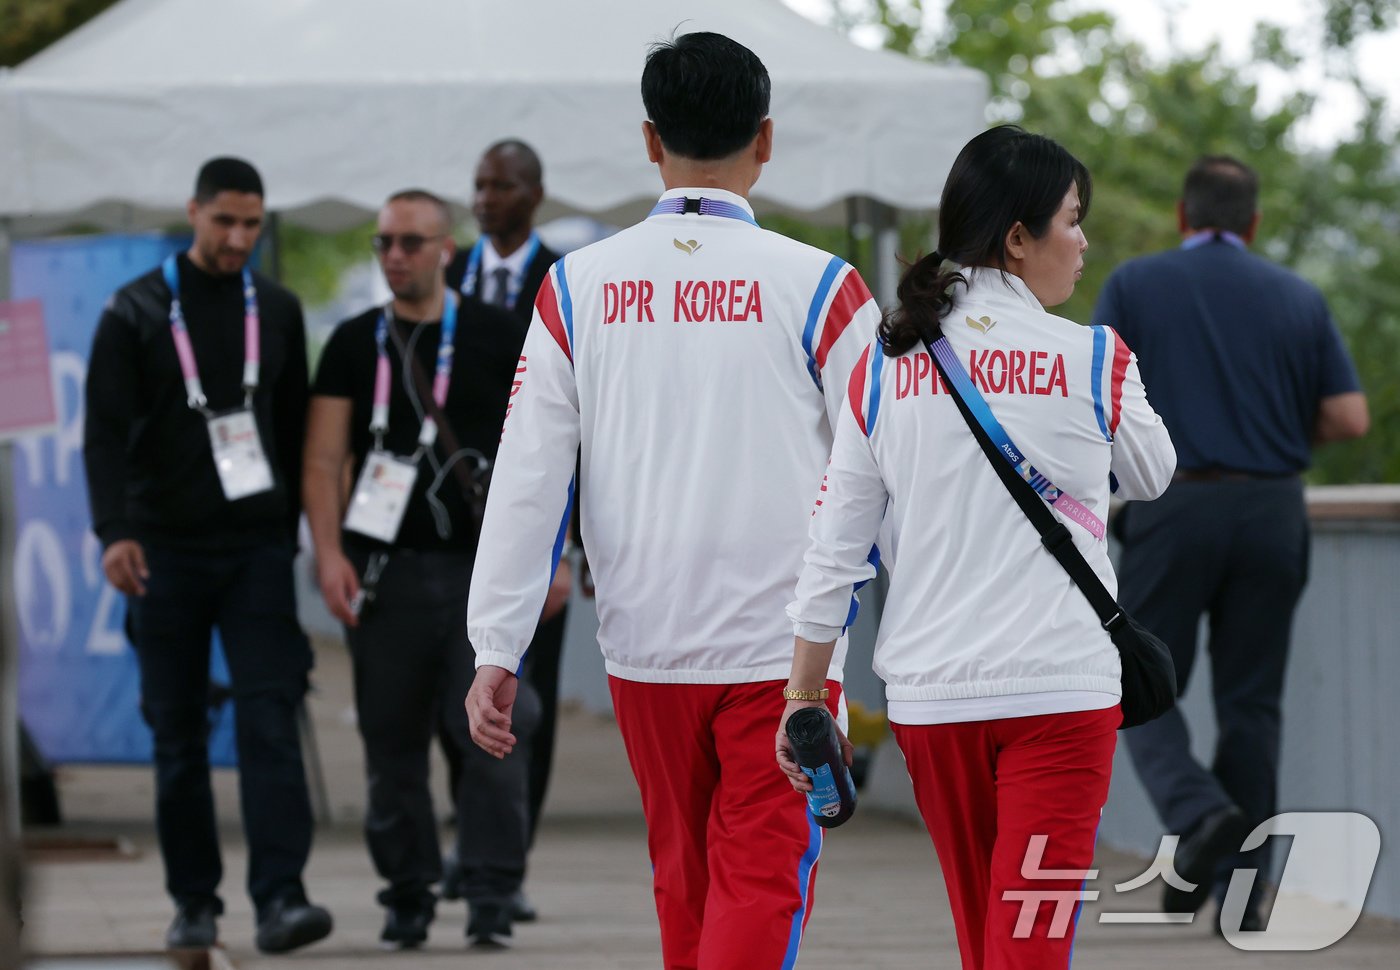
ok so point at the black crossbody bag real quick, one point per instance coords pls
(1149, 674)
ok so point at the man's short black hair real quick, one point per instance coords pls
(226, 174)
(1220, 193)
(707, 95)
(530, 168)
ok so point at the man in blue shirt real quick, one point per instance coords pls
(1243, 362)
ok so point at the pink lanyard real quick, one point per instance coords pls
(194, 388)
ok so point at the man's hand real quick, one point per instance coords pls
(559, 591)
(124, 563)
(339, 585)
(787, 761)
(489, 704)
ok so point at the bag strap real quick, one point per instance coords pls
(1054, 534)
(423, 386)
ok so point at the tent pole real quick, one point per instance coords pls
(6, 231)
(272, 247)
(884, 269)
(9, 688)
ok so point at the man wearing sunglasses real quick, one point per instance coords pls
(405, 415)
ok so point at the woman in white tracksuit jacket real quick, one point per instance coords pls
(1003, 689)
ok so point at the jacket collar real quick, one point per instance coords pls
(987, 281)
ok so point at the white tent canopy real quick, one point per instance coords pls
(340, 102)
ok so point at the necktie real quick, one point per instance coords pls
(500, 295)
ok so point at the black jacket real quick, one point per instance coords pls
(150, 468)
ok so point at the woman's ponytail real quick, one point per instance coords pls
(924, 298)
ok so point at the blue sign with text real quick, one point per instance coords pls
(79, 687)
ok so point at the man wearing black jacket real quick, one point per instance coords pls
(196, 405)
(505, 268)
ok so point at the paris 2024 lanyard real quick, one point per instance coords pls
(237, 447)
(386, 481)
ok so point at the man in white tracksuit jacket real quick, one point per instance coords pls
(700, 363)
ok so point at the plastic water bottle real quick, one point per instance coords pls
(832, 799)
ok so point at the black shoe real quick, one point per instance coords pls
(521, 909)
(291, 923)
(489, 924)
(194, 927)
(1214, 837)
(406, 926)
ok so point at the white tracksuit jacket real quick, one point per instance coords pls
(981, 621)
(701, 362)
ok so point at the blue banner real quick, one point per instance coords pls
(79, 688)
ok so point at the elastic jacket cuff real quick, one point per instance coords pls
(817, 633)
(498, 658)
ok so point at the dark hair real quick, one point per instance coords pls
(1220, 193)
(423, 195)
(1003, 176)
(226, 174)
(707, 95)
(530, 167)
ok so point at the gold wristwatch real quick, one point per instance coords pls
(793, 694)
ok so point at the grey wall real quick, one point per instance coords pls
(1341, 716)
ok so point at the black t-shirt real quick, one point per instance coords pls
(150, 468)
(486, 352)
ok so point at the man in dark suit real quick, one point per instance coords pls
(508, 263)
(1249, 372)
(505, 268)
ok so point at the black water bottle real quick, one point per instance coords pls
(832, 799)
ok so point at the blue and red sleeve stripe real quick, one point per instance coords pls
(863, 389)
(556, 309)
(1121, 355)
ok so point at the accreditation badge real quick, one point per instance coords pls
(381, 496)
(238, 454)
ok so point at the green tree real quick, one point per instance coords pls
(28, 26)
(1333, 213)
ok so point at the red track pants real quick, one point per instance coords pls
(986, 790)
(733, 850)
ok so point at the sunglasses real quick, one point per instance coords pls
(409, 242)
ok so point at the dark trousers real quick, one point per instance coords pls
(413, 666)
(1237, 553)
(249, 596)
(541, 673)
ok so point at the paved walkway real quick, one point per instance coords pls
(880, 900)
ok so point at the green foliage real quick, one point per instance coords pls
(1331, 214)
(312, 263)
(1347, 20)
(28, 26)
